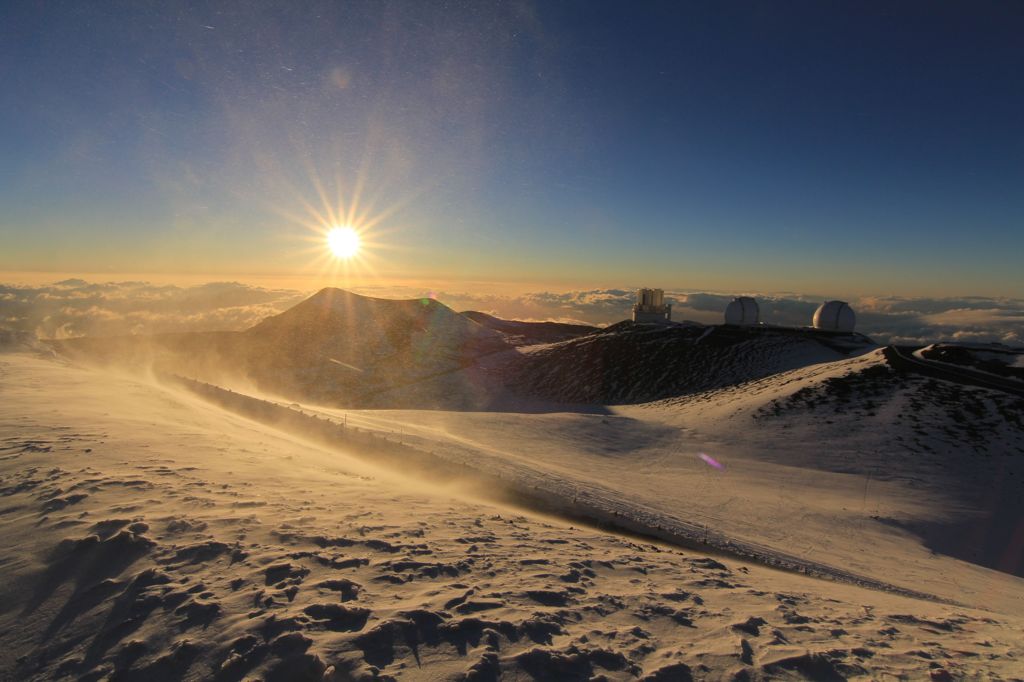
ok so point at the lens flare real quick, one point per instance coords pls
(711, 461)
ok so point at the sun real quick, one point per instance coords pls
(343, 242)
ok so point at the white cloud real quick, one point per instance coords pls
(79, 308)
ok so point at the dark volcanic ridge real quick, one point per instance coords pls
(635, 363)
(335, 346)
(530, 333)
(347, 350)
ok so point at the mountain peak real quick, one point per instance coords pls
(335, 297)
(388, 339)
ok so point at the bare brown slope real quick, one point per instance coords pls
(379, 338)
(334, 346)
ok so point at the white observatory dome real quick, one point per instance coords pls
(834, 316)
(742, 311)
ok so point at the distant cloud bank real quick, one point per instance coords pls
(75, 307)
(79, 308)
(886, 319)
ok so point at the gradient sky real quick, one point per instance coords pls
(841, 148)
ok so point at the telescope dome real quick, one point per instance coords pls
(834, 316)
(742, 311)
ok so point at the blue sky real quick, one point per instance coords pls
(841, 148)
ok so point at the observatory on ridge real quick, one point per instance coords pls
(834, 316)
(743, 312)
(650, 306)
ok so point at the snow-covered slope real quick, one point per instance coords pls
(920, 478)
(811, 428)
(956, 443)
(145, 535)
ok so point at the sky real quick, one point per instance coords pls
(847, 149)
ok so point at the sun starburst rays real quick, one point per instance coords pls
(343, 240)
(348, 235)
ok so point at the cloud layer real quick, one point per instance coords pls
(80, 308)
(77, 308)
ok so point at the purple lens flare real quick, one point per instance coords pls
(711, 461)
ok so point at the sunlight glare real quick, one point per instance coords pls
(343, 242)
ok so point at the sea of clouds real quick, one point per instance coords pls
(75, 307)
